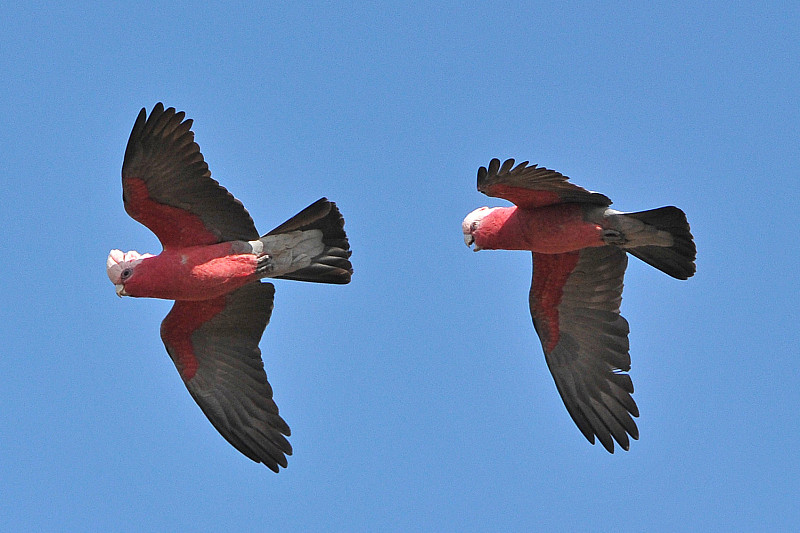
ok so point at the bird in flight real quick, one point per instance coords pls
(211, 264)
(579, 248)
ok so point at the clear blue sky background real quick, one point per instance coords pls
(418, 395)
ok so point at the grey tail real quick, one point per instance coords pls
(333, 264)
(676, 260)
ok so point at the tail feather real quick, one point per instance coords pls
(677, 260)
(333, 264)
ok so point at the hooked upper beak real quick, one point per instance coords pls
(469, 240)
(121, 290)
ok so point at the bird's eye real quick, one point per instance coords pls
(126, 273)
(473, 226)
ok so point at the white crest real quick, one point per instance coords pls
(472, 222)
(474, 218)
(117, 262)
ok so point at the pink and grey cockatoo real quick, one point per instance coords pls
(579, 250)
(211, 264)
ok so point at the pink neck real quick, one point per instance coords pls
(552, 229)
(500, 230)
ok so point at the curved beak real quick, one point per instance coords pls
(121, 290)
(469, 240)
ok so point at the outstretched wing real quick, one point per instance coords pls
(532, 186)
(166, 185)
(574, 300)
(214, 345)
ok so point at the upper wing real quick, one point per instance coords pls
(575, 299)
(214, 345)
(530, 187)
(166, 185)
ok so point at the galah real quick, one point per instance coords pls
(211, 264)
(579, 247)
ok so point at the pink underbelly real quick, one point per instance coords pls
(558, 229)
(192, 276)
(549, 230)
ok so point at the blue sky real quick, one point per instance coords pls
(418, 395)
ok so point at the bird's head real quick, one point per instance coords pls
(472, 223)
(120, 267)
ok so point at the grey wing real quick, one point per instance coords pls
(167, 183)
(585, 340)
(532, 186)
(214, 345)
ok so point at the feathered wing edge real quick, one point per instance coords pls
(588, 356)
(168, 187)
(532, 186)
(220, 362)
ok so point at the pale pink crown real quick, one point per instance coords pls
(117, 262)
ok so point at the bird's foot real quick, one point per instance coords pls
(612, 236)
